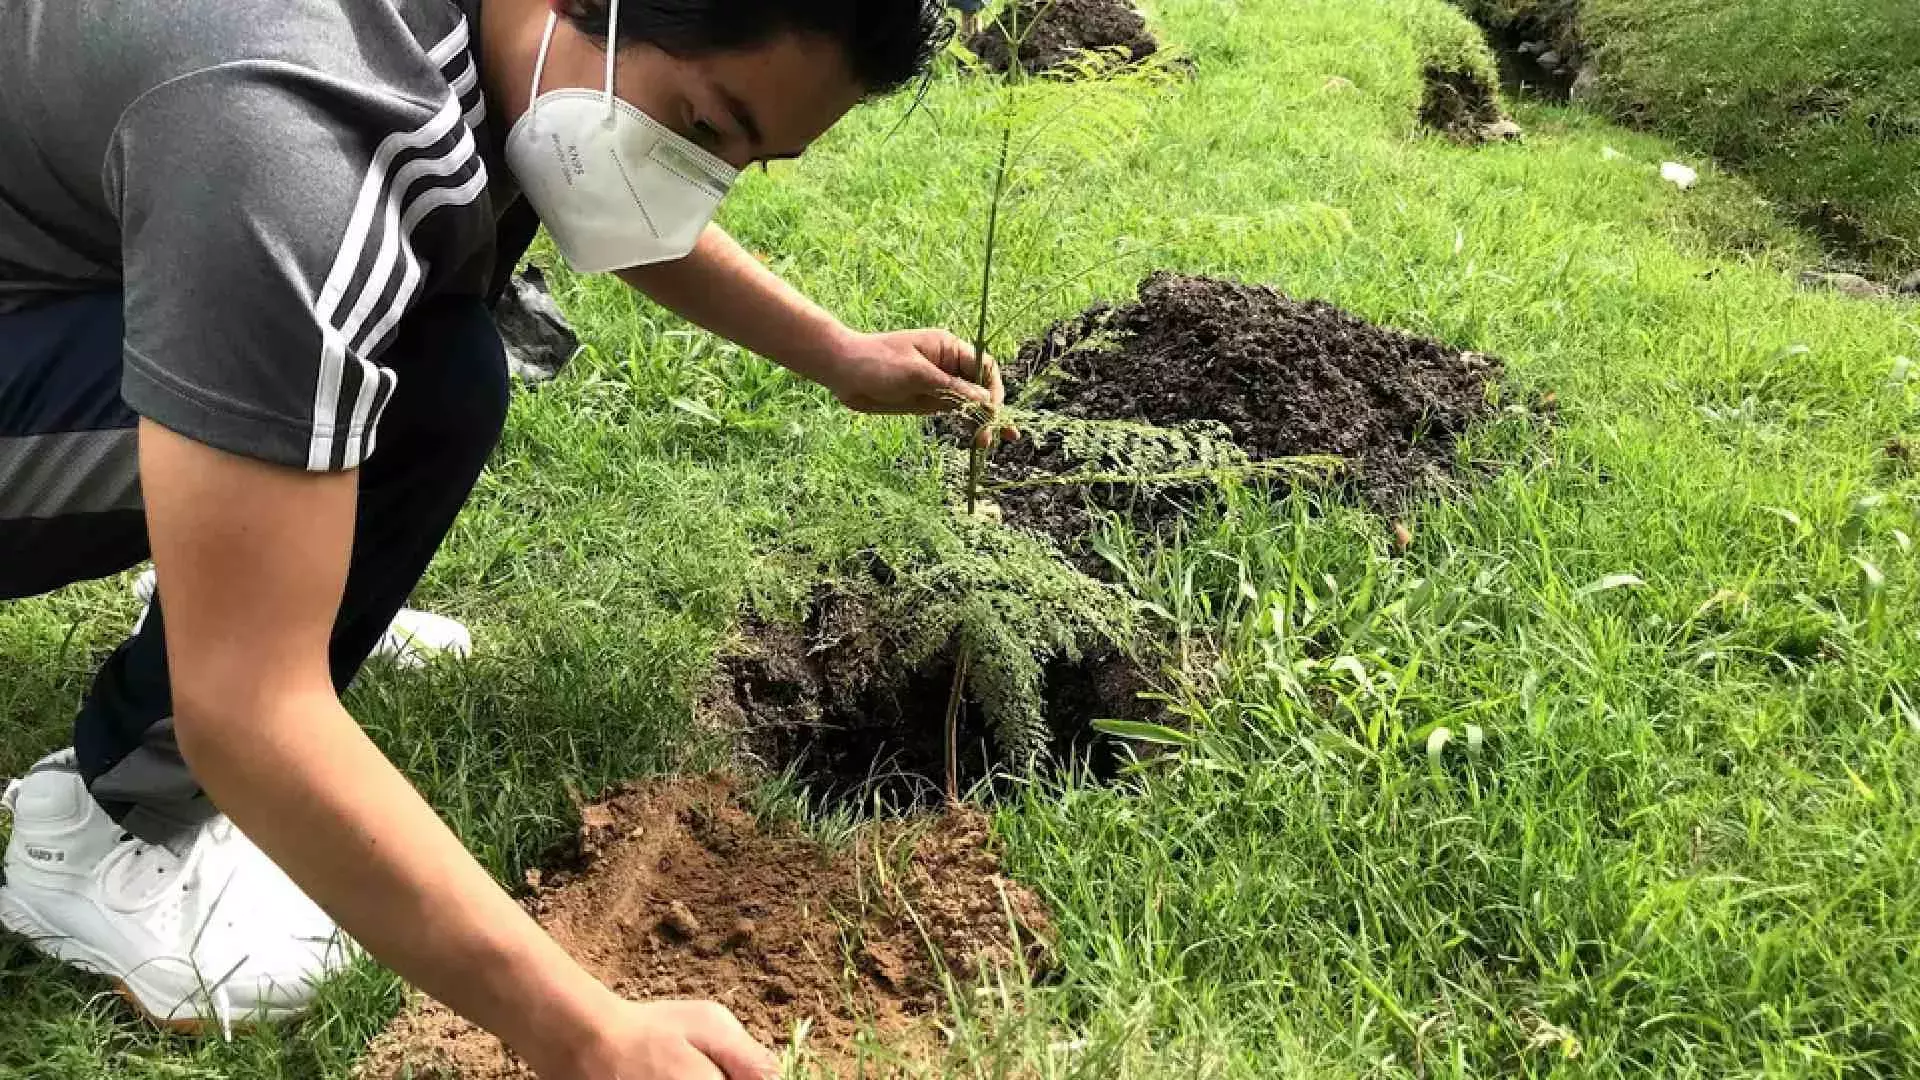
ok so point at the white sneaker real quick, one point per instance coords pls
(415, 637)
(211, 938)
(411, 640)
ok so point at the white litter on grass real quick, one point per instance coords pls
(1608, 153)
(411, 640)
(1678, 175)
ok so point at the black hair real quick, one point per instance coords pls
(887, 43)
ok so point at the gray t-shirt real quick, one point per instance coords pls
(272, 185)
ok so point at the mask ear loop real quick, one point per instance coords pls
(540, 65)
(613, 50)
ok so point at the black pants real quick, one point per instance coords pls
(70, 510)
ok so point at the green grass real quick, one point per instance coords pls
(1831, 117)
(1819, 104)
(1687, 844)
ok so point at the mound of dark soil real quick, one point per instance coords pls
(1054, 31)
(1463, 107)
(1281, 377)
(678, 893)
(833, 700)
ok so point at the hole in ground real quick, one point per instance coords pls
(833, 701)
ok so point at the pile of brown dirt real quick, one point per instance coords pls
(1278, 377)
(1464, 107)
(1051, 32)
(678, 893)
(832, 701)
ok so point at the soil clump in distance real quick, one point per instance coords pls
(1054, 32)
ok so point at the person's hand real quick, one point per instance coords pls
(912, 371)
(664, 1040)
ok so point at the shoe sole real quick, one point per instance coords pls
(17, 917)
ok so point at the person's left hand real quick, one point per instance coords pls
(913, 371)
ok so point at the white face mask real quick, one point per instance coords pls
(614, 187)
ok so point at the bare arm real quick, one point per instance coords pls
(254, 557)
(724, 289)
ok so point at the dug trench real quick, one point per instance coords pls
(676, 891)
(1542, 57)
(1463, 106)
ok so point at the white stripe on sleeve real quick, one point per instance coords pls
(346, 263)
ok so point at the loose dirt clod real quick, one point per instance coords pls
(1279, 377)
(680, 922)
(1052, 32)
(836, 938)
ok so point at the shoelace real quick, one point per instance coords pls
(219, 831)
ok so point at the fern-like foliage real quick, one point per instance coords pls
(1086, 453)
(1010, 599)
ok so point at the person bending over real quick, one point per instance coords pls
(246, 257)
